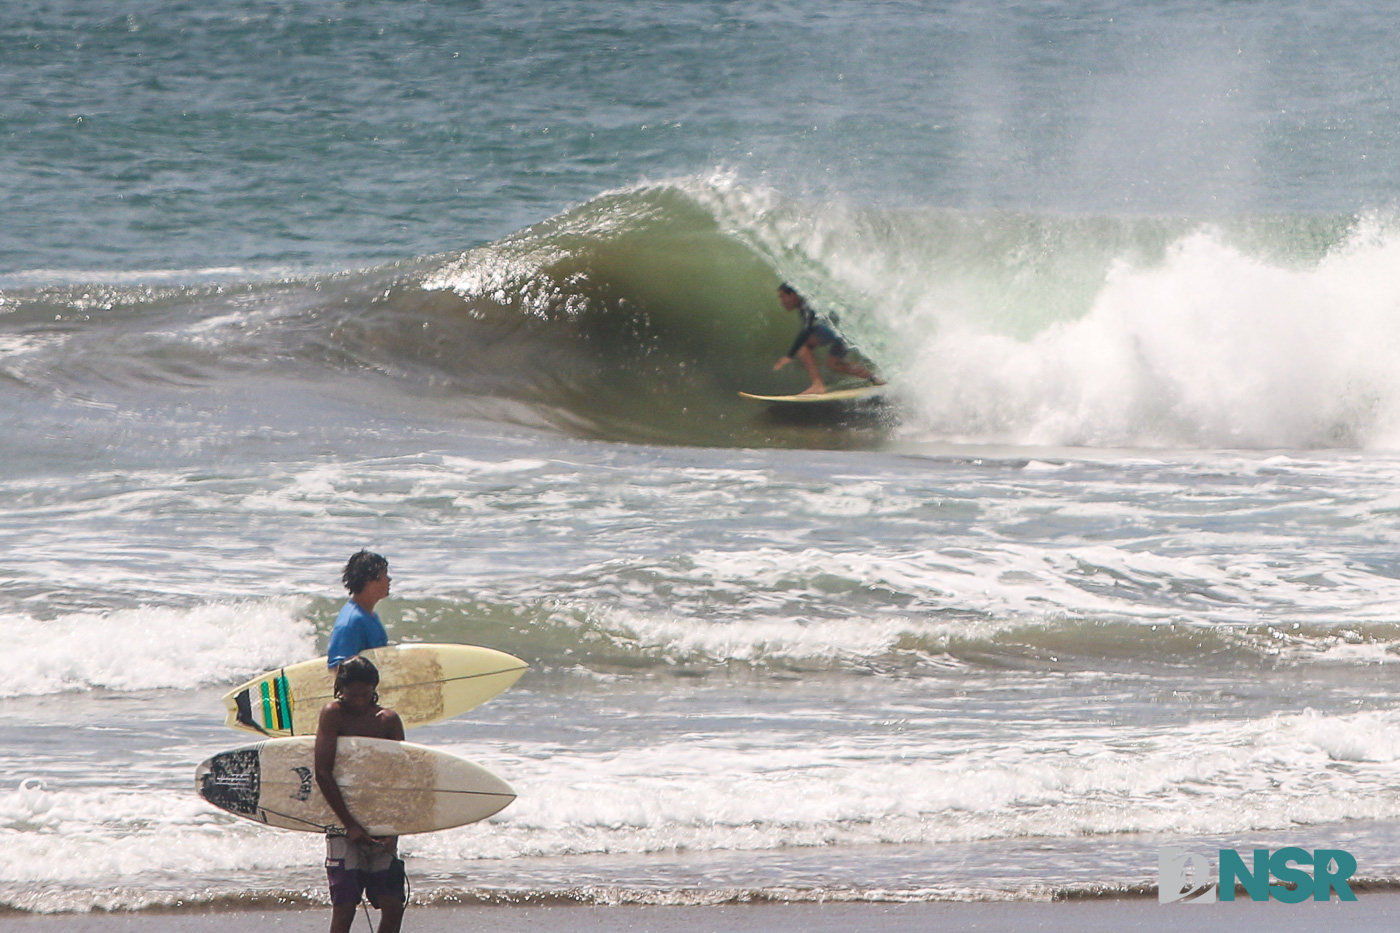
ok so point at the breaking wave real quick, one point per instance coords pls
(638, 315)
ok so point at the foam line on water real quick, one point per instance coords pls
(152, 647)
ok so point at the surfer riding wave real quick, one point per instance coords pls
(815, 333)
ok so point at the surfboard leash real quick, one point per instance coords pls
(397, 865)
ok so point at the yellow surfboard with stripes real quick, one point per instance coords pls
(422, 683)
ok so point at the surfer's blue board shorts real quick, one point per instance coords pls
(826, 337)
(355, 871)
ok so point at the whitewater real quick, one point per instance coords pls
(1110, 567)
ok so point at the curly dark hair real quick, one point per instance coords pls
(356, 670)
(362, 568)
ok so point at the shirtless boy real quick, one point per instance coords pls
(356, 862)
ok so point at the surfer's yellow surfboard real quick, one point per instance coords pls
(422, 683)
(392, 788)
(840, 395)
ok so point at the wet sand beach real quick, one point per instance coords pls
(1370, 912)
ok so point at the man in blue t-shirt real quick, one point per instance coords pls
(358, 628)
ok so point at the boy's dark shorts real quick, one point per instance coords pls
(371, 871)
(827, 337)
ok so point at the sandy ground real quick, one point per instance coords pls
(1370, 912)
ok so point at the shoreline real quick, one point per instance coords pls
(607, 898)
(1372, 912)
(592, 898)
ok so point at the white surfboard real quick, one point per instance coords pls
(392, 788)
(840, 395)
(422, 683)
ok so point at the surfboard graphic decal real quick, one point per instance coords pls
(233, 781)
(303, 791)
(276, 703)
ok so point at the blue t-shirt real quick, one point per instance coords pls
(355, 631)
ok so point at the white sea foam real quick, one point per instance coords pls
(774, 789)
(1213, 347)
(860, 605)
(48, 277)
(766, 789)
(151, 648)
(1205, 544)
(991, 338)
(780, 782)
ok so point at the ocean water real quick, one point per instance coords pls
(1111, 566)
